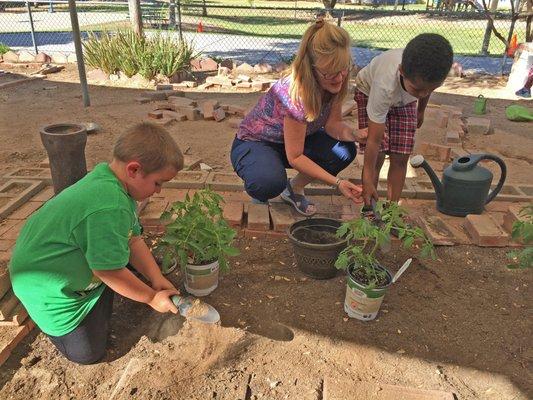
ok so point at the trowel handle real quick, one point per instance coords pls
(503, 175)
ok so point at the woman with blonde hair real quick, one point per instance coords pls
(298, 123)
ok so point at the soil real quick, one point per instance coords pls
(360, 276)
(460, 323)
(322, 235)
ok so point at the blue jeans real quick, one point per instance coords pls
(261, 165)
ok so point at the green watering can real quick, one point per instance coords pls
(480, 105)
(465, 184)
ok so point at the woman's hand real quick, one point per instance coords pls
(351, 191)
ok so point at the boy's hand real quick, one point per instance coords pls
(162, 283)
(162, 303)
(361, 135)
(419, 119)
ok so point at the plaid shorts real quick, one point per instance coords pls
(400, 125)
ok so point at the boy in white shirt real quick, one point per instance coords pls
(391, 95)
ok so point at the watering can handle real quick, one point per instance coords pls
(503, 175)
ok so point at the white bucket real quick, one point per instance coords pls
(201, 280)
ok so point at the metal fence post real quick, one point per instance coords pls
(172, 14)
(32, 28)
(179, 21)
(79, 52)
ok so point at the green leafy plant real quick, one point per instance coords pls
(3, 48)
(130, 53)
(523, 231)
(197, 233)
(364, 238)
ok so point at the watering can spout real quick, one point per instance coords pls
(419, 161)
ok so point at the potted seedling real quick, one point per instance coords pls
(368, 280)
(200, 239)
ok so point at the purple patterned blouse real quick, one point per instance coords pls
(265, 121)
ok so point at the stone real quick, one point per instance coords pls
(478, 126)
(258, 217)
(42, 58)
(26, 56)
(244, 68)
(484, 231)
(10, 57)
(204, 65)
(208, 108)
(219, 114)
(262, 68)
(59, 58)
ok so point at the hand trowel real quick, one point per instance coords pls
(195, 309)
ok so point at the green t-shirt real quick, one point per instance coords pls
(86, 227)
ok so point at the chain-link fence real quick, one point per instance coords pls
(255, 34)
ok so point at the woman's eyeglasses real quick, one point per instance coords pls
(331, 76)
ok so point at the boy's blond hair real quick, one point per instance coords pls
(326, 46)
(151, 146)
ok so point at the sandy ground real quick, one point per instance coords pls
(459, 324)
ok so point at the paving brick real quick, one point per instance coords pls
(7, 304)
(282, 216)
(165, 121)
(241, 197)
(510, 193)
(236, 110)
(437, 230)
(45, 163)
(172, 195)
(320, 188)
(44, 195)
(478, 126)
(424, 190)
(233, 213)
(253, 233)
(408, 190)
(484, 231)
(157, 114)
(435, 151)
(156, 95)
(457, 152)
(511, 216)
(192, 114)
(151, 215)
(26, 210)
(161, 86)
(5, 282)
(12, 336)
(17, 316)
(244, 85)
(219, 114)
(13, 232)
(258, 217)
(526, 189)
(234, 122)
(188, 180)
(32, 174)
(143, 100)
(224, 181)
(208, 108)
(191, 162)
(174, 115)
(259, 85)
(452, 138)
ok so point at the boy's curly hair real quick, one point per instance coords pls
(150, 145)
(428, 57)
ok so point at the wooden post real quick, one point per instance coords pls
(136, 16)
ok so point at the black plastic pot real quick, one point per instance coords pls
(314, 259)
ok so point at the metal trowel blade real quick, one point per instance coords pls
(184, 304)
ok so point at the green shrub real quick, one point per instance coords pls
(523, 231)
(3, 48)
(131, 54)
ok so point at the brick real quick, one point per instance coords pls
(44, 195)
(435, 151)
(45, 163)
(26, 210)
(162, 86)
(219, 114)
(12, 234)
(258, 217)
(188, 180)
(143, 100)
(157, 114)
(478, 126)
(12, 336)
(190, 84)
(16, 317)
(457, 152)
(526, 189)
(236, 110)
(235, 122)
(205, 86)
(424, 190)
(282, 216)
(233, 213)
(155, 95)
(259, 234)
(165, 121)
(510, 193)
(181, 101)
(225, 181)
(5, 282)
(193, 114)
(7, 304)
(219, 80)
(484, 231)
(173, 195)
(174, 115)
(208, 108)
(7, 225)
(191, 162)
(151, 214)
(318, 188)
(452, 138)
(437, 230)
(259, 85)
(511, 216)
(244, 85)
(441, 119)
(408, 190)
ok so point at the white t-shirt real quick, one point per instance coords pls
(380, 81)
